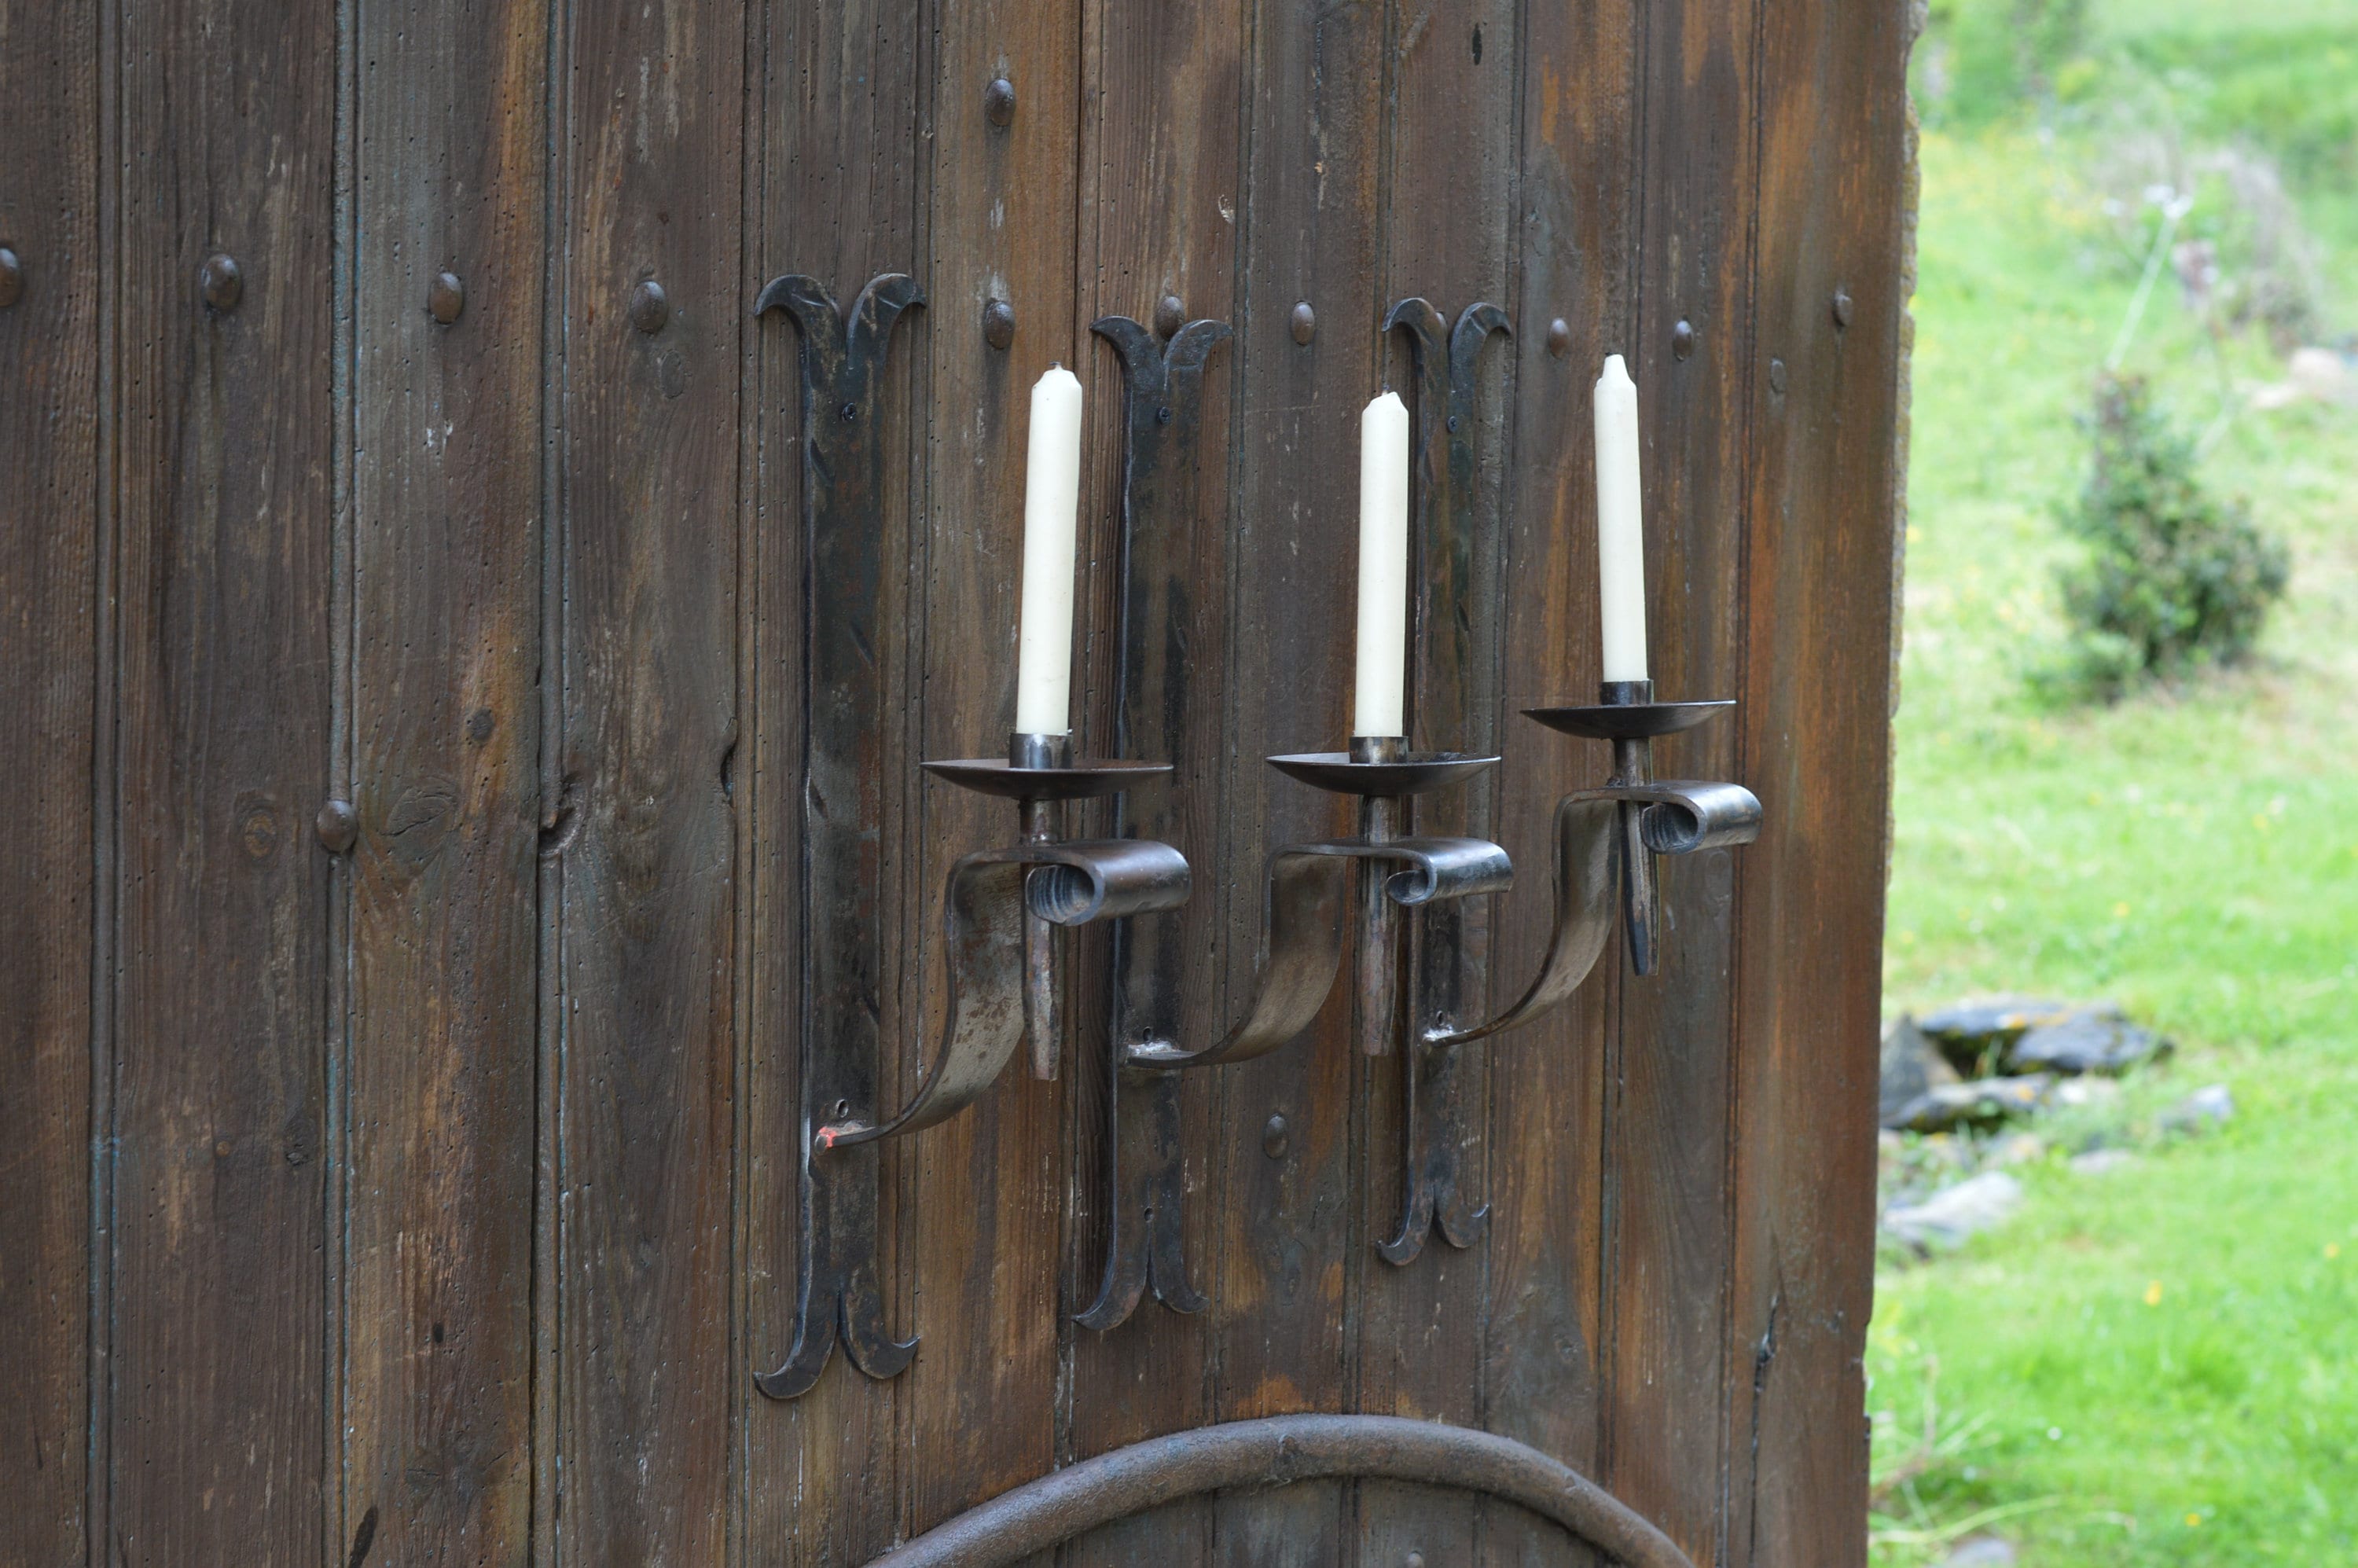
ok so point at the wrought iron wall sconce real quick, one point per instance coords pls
(1406, 885)
(1399, 888)
(1002, 903)
(1609, 839)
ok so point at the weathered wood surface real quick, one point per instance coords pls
(1160, 114)
(438, 1202)
(216, 1240)
(447, 557)
(1824, 487)
(52, 552)
(1544, 1368)
(1669, 1058)
(836, 183)
(642, 993)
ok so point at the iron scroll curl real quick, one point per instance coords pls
(1067, 883)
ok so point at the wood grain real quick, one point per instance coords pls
(649, 176)
(1451, 168)
(1668, 1150)
(438, 1208)
(218, 1231)
(1160, 115)
(50, 532)
(1818, 696)
(447, 556)
(1542, 1360)
(836, 180)
(983, 1224)
(1293, 1243)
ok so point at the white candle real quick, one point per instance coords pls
(1051, 498)
(1621, 525)
(1383, 569)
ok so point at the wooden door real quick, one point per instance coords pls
(402, 623)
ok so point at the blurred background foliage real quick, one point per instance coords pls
(2159, 1365)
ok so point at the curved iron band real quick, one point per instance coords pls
(1304, 922)
(1681, 816)
(1685, 815)
(1076, 882)
(1278, 1450)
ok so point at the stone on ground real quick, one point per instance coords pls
(1949, 1216)
(2206, 1107)
(1912, 1066)
(1975, 1034)
(1983, 1102)
(2085, 1039)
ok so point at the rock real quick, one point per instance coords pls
(1949, 1216)
(1981, 1552)
(1983, 1102)
(1912, 1066)
(2080, 1092)
(2206, 1107)
(2096, 1162)
(1975, 1034)
(2085, 1039)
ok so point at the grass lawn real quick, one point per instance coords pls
(2157, 1363)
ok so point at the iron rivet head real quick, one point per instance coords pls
(1842, 307)
(1169, 316)
(1163, 416)
(12, 278)
(998, 324)
(1415, 1560)
(848, 413)
(339, 826)
(1683, 339)
(650, 306)
(1275, 1136)
(220, 282)
(1559, 338)
(1777, 378)
(999, 101)
(1453, 424)
(445, 298)
(1305, 323)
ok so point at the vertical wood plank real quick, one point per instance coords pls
(989, 1197)
(836, 160)
(1577, 213)
(1451, 156)
(451, 144)
(1669, 1151)
(1160, 151)
(218, 1232)
(1816, 737)
(650, 181)
(49, 575)
(1290, 1243)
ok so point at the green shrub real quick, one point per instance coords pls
(2174, 578)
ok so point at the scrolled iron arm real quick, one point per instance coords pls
(1678, 817)
(1303, 920)
(1068, 883)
